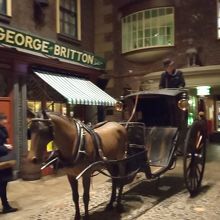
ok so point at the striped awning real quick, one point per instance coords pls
(76, 90)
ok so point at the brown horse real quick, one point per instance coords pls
(78, 147)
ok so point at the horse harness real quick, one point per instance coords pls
(80, 144)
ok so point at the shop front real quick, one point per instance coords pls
(38, 74)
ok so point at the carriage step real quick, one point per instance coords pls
(157, 171)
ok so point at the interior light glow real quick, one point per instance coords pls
(203, 90)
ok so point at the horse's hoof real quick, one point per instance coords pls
(77, 217)
(86, 217)
(109, 207)
(120, 208)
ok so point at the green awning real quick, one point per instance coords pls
(76, 90)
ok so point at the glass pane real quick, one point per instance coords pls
(140, 43)
(161, 12)
(147, 33)
(218, 33)
(154, 32)
(154, 41)
(140, 34)
(161, 31)
(2, 6)
(134, 35)
(147, 42)
(154, 13)
(161, 40)
(169, 11)
(134, 45)
(153, 27)
(134, 17)
(147, 14)
(140, 16)
(73, 6)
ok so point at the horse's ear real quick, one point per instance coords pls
(45, 116)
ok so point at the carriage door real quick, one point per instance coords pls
(5, 100)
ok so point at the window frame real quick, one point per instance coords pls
(5, 17)
(218, 19)
(64, 36)
(138, 28)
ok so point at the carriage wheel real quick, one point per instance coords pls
(194, 157)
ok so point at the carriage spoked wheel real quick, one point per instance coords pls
(194, 157)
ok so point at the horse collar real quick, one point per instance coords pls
(80, 143)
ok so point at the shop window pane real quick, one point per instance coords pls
(3, 86)
(34, 106)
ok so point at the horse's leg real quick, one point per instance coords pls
(113, 195)
(119, 205)
(86, 186)
(122, 172)
(74, 186)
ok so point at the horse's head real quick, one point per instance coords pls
(41, 130)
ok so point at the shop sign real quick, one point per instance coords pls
(33, 43)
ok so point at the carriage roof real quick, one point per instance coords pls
(159, 92)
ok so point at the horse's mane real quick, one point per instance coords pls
(60, 115)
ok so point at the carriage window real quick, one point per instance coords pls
(154, 111)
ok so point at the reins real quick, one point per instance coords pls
(79, 148)
(133, 112)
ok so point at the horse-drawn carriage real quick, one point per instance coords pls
(154, 135)
(160, 127)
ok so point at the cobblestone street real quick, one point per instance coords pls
(167, 198)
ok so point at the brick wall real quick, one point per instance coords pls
(23, 19)
(196, 19)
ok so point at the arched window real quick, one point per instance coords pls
(148, 29)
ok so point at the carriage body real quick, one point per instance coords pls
(157, 124)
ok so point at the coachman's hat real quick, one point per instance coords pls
(167, 62)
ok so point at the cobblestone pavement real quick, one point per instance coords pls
(163, 199)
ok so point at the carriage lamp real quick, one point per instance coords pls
(119, 106)
(183, 104)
